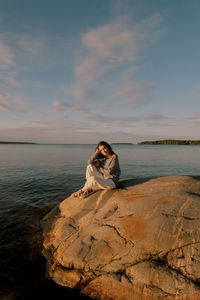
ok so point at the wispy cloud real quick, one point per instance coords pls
(193, 120)
(134, 92)
(59, 106)
(97, 121)
(10, 98)
(194, 117)
(7, 56)
(16, 52)
(96, 127)
(108, 52)
(13, 103)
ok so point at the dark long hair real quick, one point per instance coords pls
(105, 144)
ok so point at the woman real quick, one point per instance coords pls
(102, 172)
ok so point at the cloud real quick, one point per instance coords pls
(9, 80)
(113, 42)
(62, 135)
(194, 117)
(97, 127)
(13, 103)
(193, 120)
(6, 56)
(60, 105)
(15, 54)
(98, 122)
(11, 100)
(134, 92)
(109, 55)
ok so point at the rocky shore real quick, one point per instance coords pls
(141, 241)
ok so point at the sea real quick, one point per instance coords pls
(34, 178)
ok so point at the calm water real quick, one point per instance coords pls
(34, 178)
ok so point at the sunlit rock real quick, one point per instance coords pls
(141, 241)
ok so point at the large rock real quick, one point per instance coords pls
(141, 241)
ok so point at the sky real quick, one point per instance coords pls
(81, 71)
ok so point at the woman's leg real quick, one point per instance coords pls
(92, 171)
(96, 183)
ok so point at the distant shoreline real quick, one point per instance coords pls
(3, 142)
(157, 142)
(171, 142)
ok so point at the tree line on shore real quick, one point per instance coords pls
(171, 142)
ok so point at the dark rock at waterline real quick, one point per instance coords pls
(34, 285)
(138, 242)
(22, 267)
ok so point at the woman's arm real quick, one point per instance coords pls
(94, 159)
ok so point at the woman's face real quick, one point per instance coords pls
(104, 150)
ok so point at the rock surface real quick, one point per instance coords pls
(141, 241)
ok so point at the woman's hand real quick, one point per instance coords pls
(97, 151)
(96, 162)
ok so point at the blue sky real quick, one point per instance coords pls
(80, 71)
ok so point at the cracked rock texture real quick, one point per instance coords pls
(141, 241)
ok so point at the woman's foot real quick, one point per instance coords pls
(87, 193)
(78, 193)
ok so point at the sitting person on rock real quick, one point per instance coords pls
(102, 172)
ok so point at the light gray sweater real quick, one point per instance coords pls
(108, 167)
